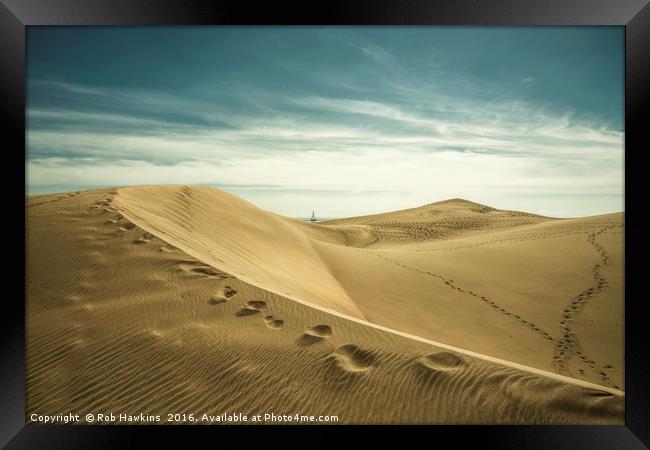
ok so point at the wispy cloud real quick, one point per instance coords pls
(397, 137)
(375, 52)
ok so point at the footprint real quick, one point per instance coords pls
(323, 331)
(145, 238)
(315, 334)
(127, 227)
(208, 271)
(351, 358)
(258, 304)
(228, 293)
(251, 307)
(442, 361)
(274, 324)
(223, 295)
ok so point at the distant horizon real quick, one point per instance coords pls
(327, 217)
(357, 120)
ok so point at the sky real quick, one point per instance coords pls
(342, 120)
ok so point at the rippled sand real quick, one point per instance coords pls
(175, 299)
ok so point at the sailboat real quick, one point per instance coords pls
(313, 217)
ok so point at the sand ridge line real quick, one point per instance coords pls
(450, 283)
(224, 293)
(123, 224)
(190, 266)
(182, 208)
(438, 221)
(569, 342)
(515, 239)
(165, 211)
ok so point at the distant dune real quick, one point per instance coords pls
(188, 299)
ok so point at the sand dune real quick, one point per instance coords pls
(175, 299)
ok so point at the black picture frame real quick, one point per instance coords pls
(634, 15)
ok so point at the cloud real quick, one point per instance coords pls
(318, 124)
(376, 52)
(397, 140)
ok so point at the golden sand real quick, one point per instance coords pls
(176, 299)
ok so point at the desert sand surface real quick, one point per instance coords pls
(179, 299)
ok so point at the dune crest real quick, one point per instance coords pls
(227, 232)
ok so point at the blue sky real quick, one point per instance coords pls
(346, 121)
